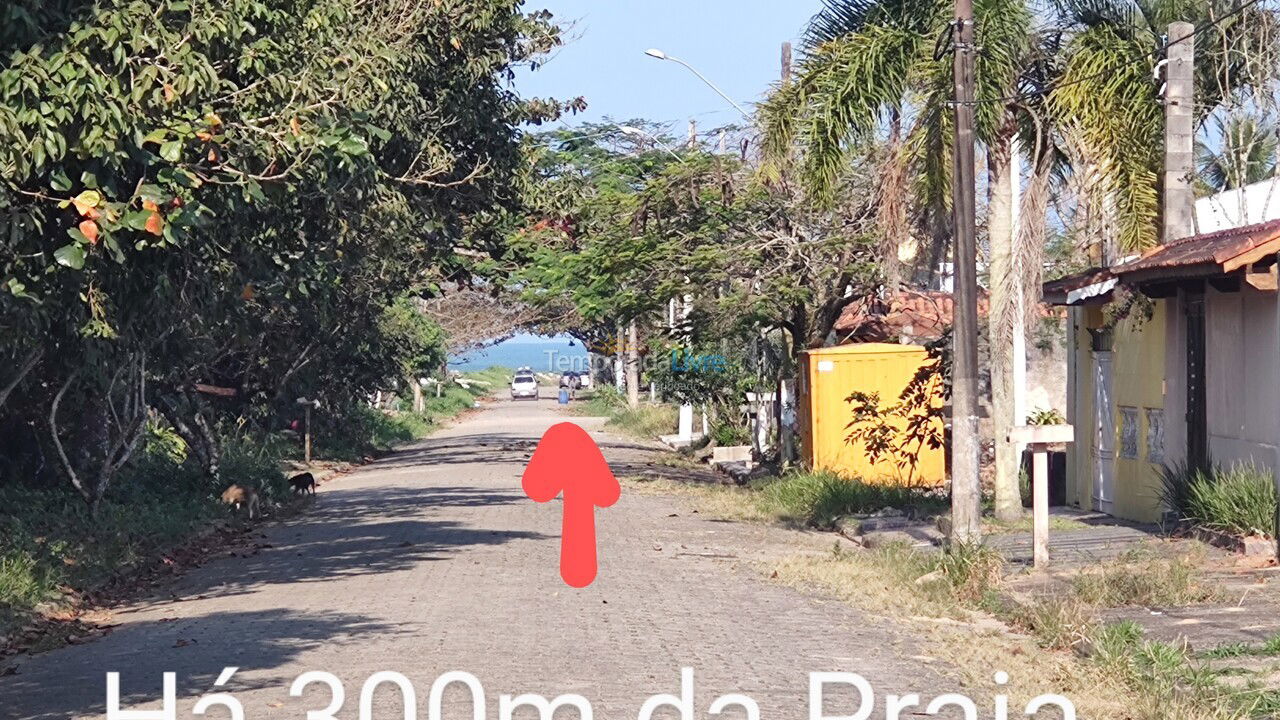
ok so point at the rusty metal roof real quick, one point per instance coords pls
(1204, 256)
(1215, 253)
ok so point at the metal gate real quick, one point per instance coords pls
(1197, 411)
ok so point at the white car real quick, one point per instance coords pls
(524, 386)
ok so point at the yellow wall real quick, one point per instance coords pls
(830, 375)
(1138, 377)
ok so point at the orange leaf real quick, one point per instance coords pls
(155, 224)
(93, 214)
(202, 135)
(213, 155)
(295, 127)
(247, 293)
(90, 230)
(149, 205)
(169, 93)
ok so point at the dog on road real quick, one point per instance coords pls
(237, 495)
(304, 483)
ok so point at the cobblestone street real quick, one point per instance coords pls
(432, 560)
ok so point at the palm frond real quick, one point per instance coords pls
(838, 96)
(839, 18)
(1106, 93)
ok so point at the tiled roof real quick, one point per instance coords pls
(910, 313)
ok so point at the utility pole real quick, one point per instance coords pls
(693, 134)
(786, 62)
(1179, 132)
(965, 489)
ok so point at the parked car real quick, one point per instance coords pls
(524, 385)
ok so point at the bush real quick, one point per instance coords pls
(819, 498)
(1240, 500)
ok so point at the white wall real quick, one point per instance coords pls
(1243, 389)
(1248, 205)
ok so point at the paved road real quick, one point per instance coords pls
(433, 560)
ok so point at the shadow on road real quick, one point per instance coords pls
(195, 649)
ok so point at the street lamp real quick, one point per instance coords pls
(638, 133)
(659, 55)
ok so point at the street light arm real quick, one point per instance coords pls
(709, 84)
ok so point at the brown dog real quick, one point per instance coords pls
(303, 483)
(238, 495)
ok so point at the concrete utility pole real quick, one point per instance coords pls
(1179, 132)
(965, 489)
(633, 365)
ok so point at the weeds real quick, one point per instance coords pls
(644, 421)
(820, 498)
(1157, 583)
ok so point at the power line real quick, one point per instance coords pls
(1109, 71)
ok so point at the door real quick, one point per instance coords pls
(1104, 438)
(1197, 409)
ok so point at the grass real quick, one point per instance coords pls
(820, 498)
(645, 421)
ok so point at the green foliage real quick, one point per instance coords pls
(1241, 499)
(646, 421)
(1046, 416)
(820, 498)
(212, 209)
(1106, 98)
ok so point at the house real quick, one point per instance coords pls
(1174, 356)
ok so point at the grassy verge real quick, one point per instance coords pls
(981, 618)
(646, 421)
(51, 551)
(803, 498)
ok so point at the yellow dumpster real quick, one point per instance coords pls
(829, 376)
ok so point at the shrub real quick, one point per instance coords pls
(1240, 500)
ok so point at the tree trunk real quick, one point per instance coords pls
(1000, 320)
(633, 365)
(417, 395)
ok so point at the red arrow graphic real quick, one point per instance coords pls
(567, 460)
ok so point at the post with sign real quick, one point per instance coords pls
(306, 426)
(1038, 438)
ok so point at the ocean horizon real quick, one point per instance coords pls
(541, 353)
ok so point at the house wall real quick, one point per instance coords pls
(1243, 383)
(1140, 418)
(1138, 360)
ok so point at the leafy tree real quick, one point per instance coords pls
(230, 196)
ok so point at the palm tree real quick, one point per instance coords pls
(1245, 153)
(1106, 96)
(879, 68)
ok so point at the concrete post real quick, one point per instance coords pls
(1179, 133)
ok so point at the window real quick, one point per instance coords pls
(1155, 435)
(1129, 433)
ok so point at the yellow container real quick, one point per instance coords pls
(829, 376)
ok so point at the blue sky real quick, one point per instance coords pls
(735, 43)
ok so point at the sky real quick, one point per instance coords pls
(736, 44)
